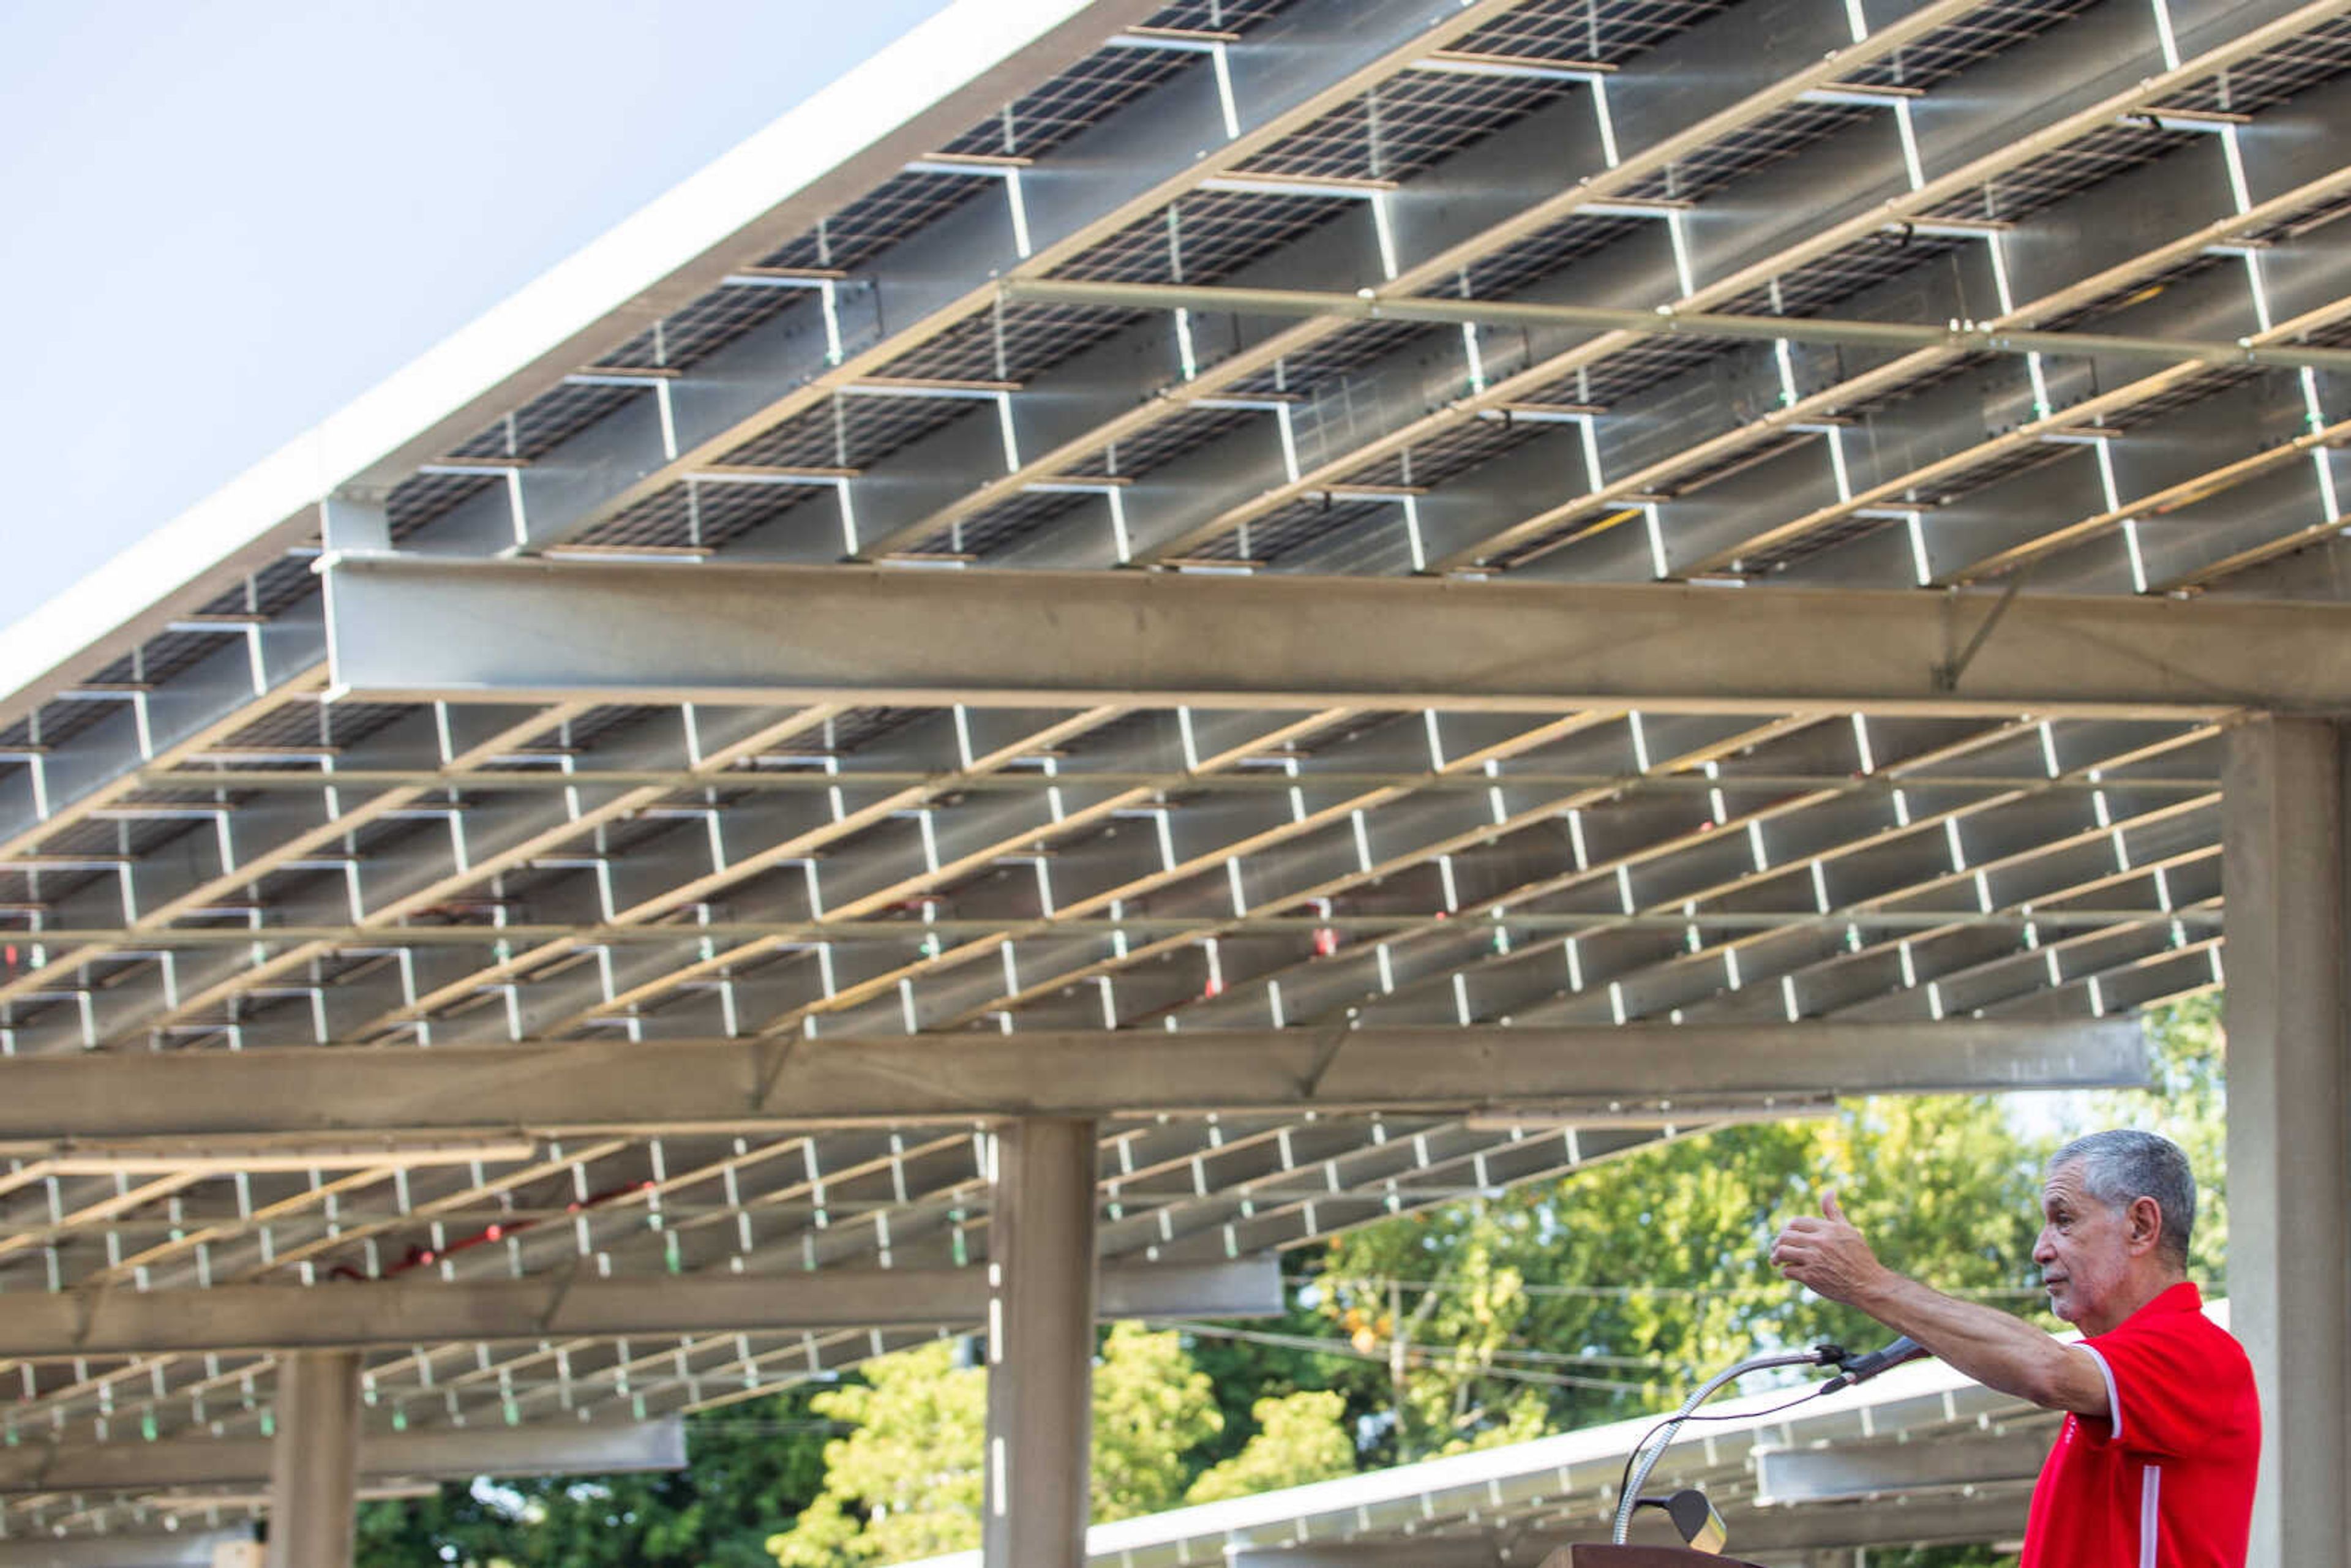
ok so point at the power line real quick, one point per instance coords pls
(1619, 1292)
(1423, 1356)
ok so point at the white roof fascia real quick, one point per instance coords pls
(940, 78)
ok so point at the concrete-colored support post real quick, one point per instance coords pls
(2289, 1022)
(1041, 1346)
(313, 1462)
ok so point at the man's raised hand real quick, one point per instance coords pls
(1828, 1254)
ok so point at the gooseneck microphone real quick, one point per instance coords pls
(1862, 1369)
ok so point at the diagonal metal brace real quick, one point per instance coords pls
(1956, 660)
(1326, 1051)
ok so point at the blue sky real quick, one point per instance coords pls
(225, 218)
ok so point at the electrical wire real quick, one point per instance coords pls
(1637, 1362)
(1424, 1356)
(1625, 1475)
(1774, 1292)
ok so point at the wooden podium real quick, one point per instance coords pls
(1639, 1557)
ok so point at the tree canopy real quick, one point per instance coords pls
(1562, 1304)
(906, 1481)
(1301, 1438)
(754, 1466)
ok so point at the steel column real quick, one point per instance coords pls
(313, 1462)
(2289, 1142)
(1040, 1345)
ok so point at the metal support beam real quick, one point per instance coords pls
(892, 933)
(1709, 863)
(1845, 1473)
(188, 1549)
(205, 704)
(713, 1085)
(2289, 1145)
(1665, 322)
(535, 632)
(1041, 1346)
(230, 1318)
(1325, 988)
(314, 1460)
(1182, 508)
(565, 1448)
(1692, 90)
(1207, 119)
(1923, 443)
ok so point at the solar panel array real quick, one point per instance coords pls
(463, 874)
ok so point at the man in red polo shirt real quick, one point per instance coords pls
(2154, 1465)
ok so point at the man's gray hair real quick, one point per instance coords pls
(2122, 1166)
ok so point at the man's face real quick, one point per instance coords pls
(2084, 1251)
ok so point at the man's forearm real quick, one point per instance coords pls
(1989, 1345)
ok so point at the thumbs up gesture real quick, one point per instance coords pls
(1828, 1254)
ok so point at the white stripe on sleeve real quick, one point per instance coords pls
(2114, 1399)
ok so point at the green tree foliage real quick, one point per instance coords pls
(1152, 1408)
(906, 1481)
(1271, 1357)
(1558, 1305)
(1301, 1438)
(1946, 1190)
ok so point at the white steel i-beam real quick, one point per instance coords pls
(1971, 338)
(512, 632)
(236, 1466)
(736, 1085)
(1041, 1346)
(389, 1313)
(187, 1548)
(313, 1462)
(2289, 996)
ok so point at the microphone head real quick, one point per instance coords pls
(1862, 1369)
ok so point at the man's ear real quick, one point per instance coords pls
(2144, 1219)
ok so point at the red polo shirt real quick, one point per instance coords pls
(2168, 1481)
